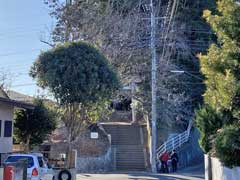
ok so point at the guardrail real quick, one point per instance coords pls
(175, 142)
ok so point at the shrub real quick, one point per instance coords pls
(208, 122)
(227, 145)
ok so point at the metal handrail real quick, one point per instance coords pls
(175, 142)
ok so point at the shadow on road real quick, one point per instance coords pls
(170, 176)
(152, 177)
(192, 173)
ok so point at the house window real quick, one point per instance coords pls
(8, 129)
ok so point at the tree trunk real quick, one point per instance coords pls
(68, 154)
(27, 144)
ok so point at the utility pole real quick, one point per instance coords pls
(133, 101)
(68, 33)
(154, 84)
(68, 2)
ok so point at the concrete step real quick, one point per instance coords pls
(126, 156)
(127, 165)
(130, 159)
(128, 162)
(131, 168)
(138, 163)
(130, 155)
(120, 142)
(129, 149)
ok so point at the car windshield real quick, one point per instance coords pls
(13, 159)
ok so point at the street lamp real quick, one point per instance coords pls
(186, 72)
(176, 71)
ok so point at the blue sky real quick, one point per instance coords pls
(22, 24)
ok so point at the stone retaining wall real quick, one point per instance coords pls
(191, 152)
(95, 164)
(214, 170)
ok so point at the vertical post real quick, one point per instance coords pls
(114, 158)
(149, 138)
(73, 163)
(173, 144)
(110, 139)
(180, 139)
(154, 82)
(133, 102)
(68, 2)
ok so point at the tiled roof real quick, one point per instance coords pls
(3, 94)
(5, 99)
(20, 97)
(18, 104)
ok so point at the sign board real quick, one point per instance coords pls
(62, 156)
(94, 135)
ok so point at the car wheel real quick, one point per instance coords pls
(64, 175)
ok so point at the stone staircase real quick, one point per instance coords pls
(127, 140)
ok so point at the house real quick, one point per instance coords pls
(7, 107)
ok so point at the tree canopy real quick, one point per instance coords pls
(76, 73)
(32, 127)
(81, 79)
(221, 68)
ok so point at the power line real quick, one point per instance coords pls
(171, 20)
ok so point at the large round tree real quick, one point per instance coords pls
(75, 73)
(82, 81)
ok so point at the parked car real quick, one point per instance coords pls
(37, 168)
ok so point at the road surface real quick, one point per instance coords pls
(193, 173)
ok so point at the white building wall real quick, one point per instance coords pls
(6, 114)
(1, 173)
(219, 172)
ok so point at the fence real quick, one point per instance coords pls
(175, 142)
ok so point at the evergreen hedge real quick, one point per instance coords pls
(219, 118)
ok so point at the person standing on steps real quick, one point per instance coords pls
(174, 159)
(164, 162)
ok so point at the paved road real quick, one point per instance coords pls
(193, 173)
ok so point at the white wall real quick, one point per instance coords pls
(1, 173)
(6, 114)
(220, 172)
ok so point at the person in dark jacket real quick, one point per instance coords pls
(174, 158)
